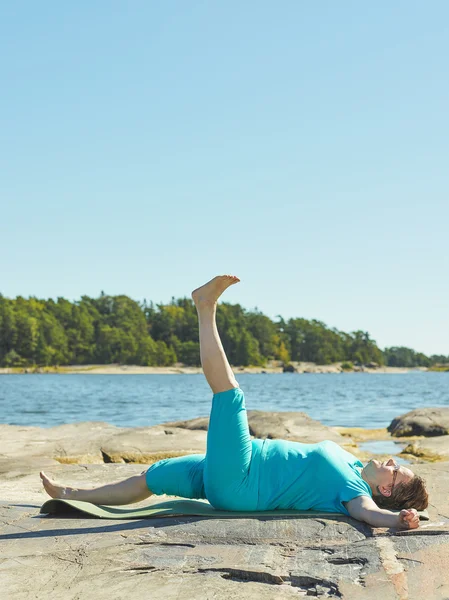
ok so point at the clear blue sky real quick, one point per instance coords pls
(304, 146)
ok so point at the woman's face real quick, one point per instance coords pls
(379, 475)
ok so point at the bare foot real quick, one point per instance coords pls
(208, 294)
(55, 490)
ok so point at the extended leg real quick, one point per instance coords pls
(128, 491)
(179, 476)
(215, 364)
(229, 449)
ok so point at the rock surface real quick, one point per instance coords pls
(293, 426)
(100, 442)
(434, 448)
(422, 421)
(196, 557)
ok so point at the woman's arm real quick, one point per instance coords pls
(365, 509)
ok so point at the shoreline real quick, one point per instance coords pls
(179, 369)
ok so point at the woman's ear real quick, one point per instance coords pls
(384, 491)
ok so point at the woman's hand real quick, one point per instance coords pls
(408, 518)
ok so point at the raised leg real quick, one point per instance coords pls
(229, 449)
(128, 491)
(215, 364)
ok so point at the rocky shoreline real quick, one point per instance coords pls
(177, 369)
(197, 557)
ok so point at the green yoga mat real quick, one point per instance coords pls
(175, 508)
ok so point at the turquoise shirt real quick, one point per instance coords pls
(308, 476)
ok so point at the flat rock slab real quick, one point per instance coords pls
(90, 443)
(203, 558)
(293, 426)
(422, 421)
(433, 447)
(197, 557)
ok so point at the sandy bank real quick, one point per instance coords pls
(274, 367)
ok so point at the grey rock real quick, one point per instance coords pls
(433, 448)
(422, 421)
(293, 426)
(198, 558)
(147, 445)
(90, 443)
(96, 442)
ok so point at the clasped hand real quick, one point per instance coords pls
(408, 518)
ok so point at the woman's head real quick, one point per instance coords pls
(394, 486)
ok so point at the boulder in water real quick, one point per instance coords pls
(422, 421)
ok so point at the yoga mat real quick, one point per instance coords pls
(176, 508)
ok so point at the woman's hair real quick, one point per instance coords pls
(412, 494)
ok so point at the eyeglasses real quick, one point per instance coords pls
(395, 474)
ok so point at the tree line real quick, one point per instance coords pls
(117, 329)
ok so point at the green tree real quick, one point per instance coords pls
(119, 330)
(400, 356)
(8, 329)
(189, 353)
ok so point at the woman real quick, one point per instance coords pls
(238, 473)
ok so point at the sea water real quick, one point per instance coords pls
(369, 400)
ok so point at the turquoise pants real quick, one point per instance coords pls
(228, 474)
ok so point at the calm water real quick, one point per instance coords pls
(355, 399)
